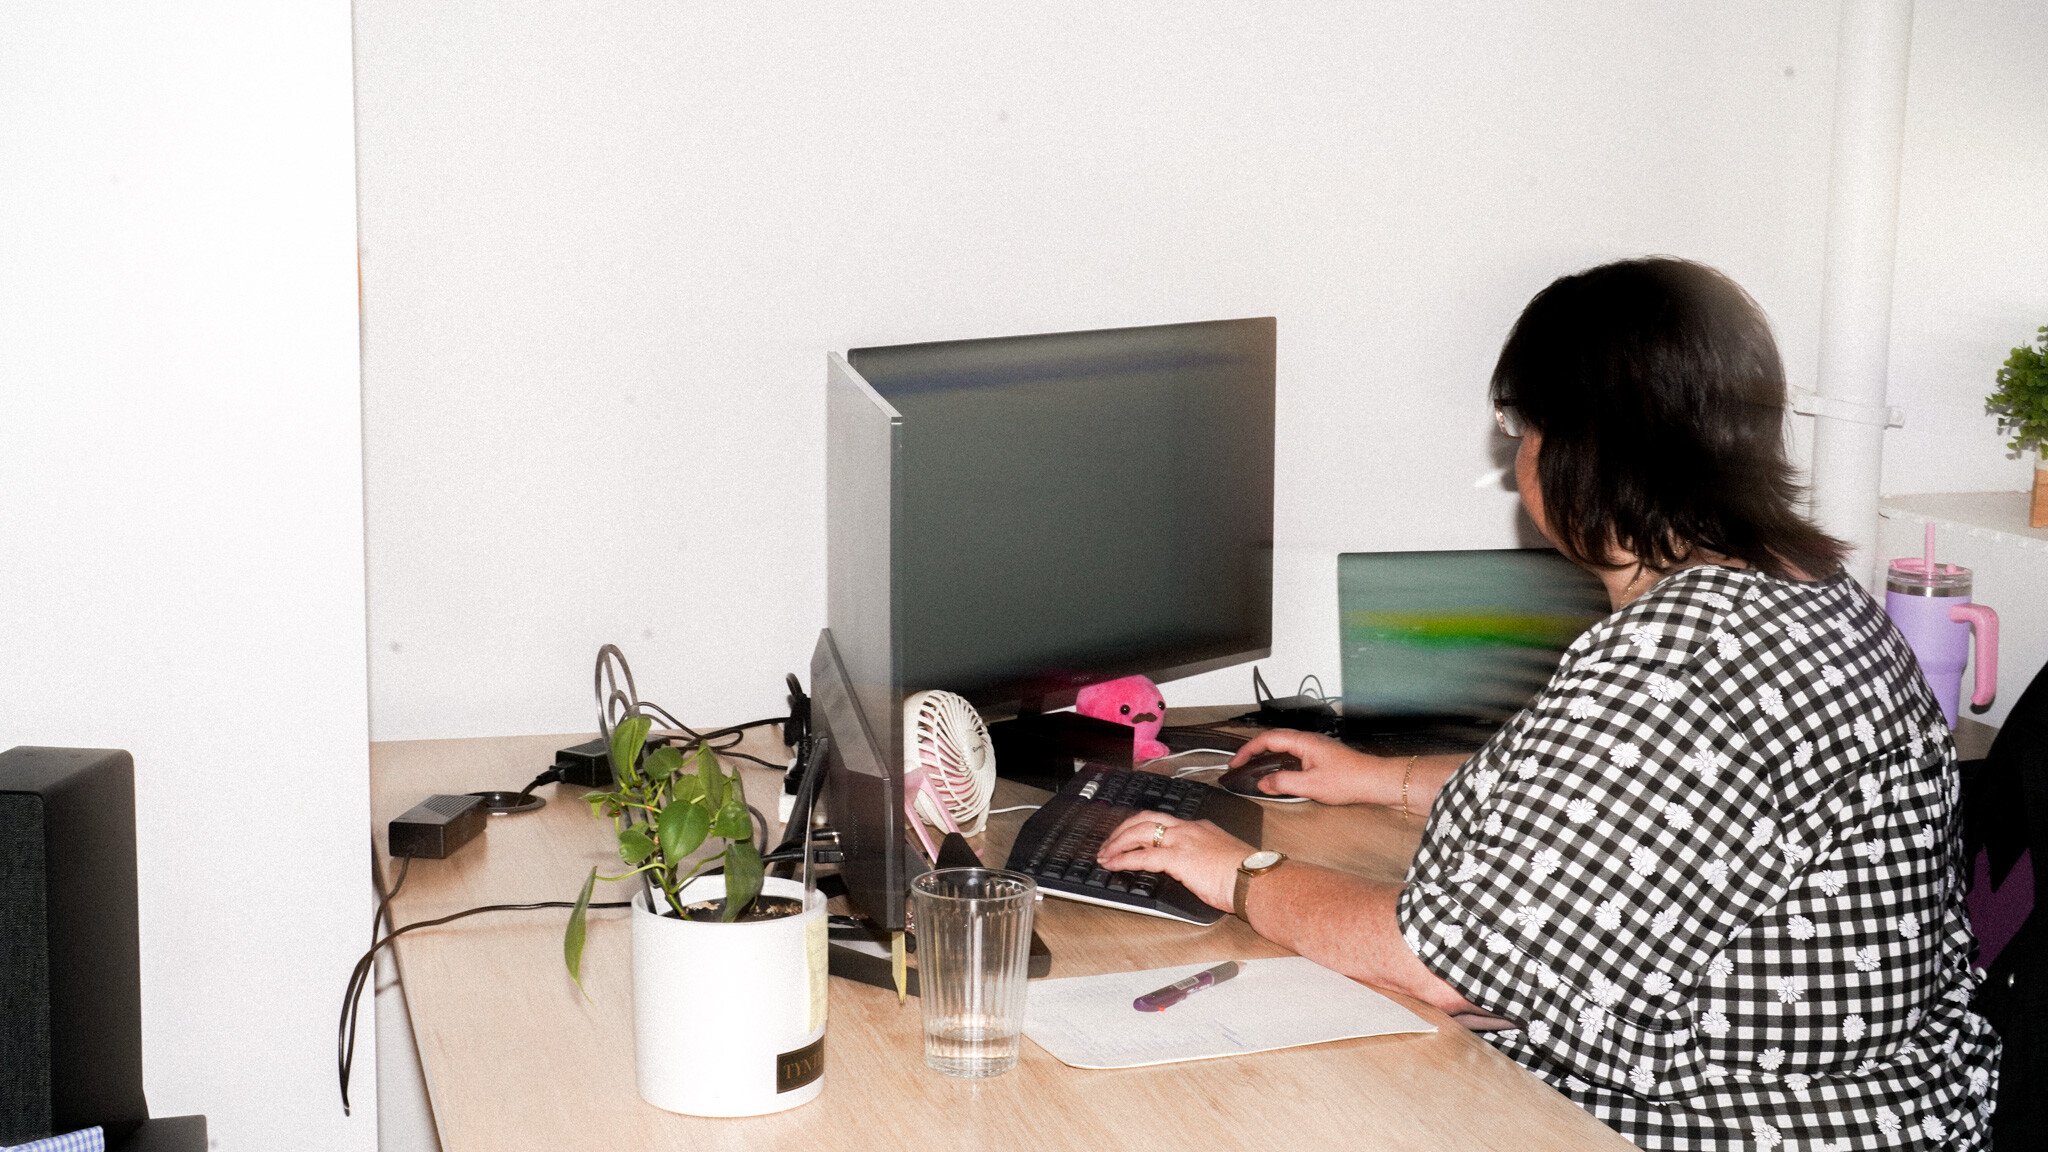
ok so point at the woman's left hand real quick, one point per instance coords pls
(1194, 852)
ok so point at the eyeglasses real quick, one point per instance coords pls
(1508, 421)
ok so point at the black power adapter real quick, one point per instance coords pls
(1307, 713)
(587, 765)
(435, 827)
(1304, 712)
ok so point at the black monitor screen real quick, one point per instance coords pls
(1075, 507)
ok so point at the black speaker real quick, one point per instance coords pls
(70, 966)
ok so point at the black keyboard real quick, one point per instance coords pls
(1057, 845)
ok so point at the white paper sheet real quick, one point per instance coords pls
(1088, 1021)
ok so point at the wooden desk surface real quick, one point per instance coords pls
(515, 1059)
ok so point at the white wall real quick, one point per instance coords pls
(607, 246)
(1973, 239)
(180, 513)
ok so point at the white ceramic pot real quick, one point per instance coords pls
(729, 1019)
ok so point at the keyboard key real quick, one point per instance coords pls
(1060, 841)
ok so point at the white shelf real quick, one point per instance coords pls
(1998, 516)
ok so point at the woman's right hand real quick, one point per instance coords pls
(1331, 773)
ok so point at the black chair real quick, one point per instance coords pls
(2005, 822)
(70, 963)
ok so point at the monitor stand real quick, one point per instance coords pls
(1041, 749)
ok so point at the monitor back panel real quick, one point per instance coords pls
(1074, 507)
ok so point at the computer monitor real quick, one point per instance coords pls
(1075, 507)
(1449, 644)
(1013, 519)
(863, 790)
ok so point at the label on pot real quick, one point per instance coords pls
(795, 1069)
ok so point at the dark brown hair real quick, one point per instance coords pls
(1660, 396)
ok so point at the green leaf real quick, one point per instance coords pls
(663, 763)
(2021, 401)
(628, 738)
(733, 821)
(635, 846)
(742, 879)
(573, 935)
(668, 830)
(713, 779)
(682, 827)
(689, 789)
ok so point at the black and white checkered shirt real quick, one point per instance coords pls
(1714, 872)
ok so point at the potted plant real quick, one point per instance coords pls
(728, 967)
(2021, 405)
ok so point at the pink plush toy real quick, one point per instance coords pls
(1133, 700)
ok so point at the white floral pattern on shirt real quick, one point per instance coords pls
(1724, 903)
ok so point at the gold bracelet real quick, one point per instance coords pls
(1405, 774)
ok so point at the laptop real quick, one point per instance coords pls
(1441, 648)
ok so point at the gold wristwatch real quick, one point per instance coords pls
(1257, 864)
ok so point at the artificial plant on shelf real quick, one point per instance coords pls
(2021, 405)
(663, 807)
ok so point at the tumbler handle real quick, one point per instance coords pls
(1984, 622)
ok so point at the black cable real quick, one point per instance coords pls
(377, 917)
(810, 777)
(657, 712)
(351, 1002)
(612, 669)
(736, 731)
(762, 723)
(732, 737)
(551, 776)
(354, 992)
(384, 904)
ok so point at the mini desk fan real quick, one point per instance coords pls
(949, 766)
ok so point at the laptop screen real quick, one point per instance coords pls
(1470, 634)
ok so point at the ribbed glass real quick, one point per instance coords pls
(973, 929)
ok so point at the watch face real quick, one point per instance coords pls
(1258, 860)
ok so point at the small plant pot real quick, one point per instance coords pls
(729, 1019)
(2037, 511)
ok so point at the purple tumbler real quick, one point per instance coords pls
(1930, 603)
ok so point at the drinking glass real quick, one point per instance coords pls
(973, 949)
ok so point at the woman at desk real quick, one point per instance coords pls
(1708, 882)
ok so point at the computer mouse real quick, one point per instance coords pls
(1243, 780)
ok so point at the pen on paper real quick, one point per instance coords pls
(1164, 998)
